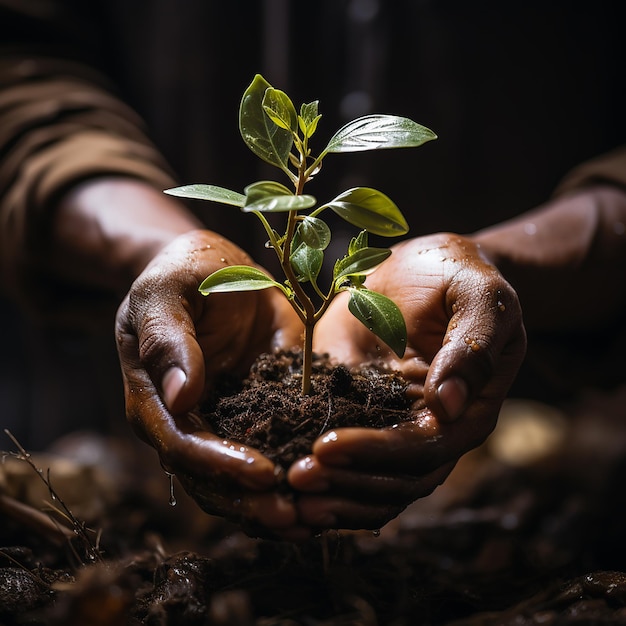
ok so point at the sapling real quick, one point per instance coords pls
(272, 128)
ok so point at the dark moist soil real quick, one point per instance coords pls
(267, 410)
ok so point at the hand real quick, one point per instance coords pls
(172, 342)
(466, 341)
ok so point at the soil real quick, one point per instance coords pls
(267, 410)
(515, 537)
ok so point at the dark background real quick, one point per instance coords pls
(518, 93)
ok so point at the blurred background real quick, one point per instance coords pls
(518, 93)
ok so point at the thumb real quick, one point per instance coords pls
(162, 345)
(481, 353)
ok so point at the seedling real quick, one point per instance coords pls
(275, 132)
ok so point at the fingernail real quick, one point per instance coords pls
(173, 381)
(452, 394)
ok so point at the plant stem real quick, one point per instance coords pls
(306, 303)
(307, 357)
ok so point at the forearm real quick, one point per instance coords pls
(60, 126)
(565, 259)
(106, 230)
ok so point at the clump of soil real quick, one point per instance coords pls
(268, 412)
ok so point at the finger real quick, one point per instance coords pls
(482, 350)
(335, 513)
(184, 445)
(271, 516)
(416, 447)
(309, 475)
(261, 513)
(160, 338)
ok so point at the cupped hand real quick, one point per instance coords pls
(466, 341)
(172, 343)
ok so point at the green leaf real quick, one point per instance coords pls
(237, 278)
(358, 243)
(359, 262)
(381, 316)
(307, 262)
(270, 196)
(314, 232)
(370, 209)
(279, 108)
(309, 118)
(309, 112)
(208, 192)
(375, 132)
(267, 140)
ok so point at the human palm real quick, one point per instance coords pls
(466, 341)
(172, 343)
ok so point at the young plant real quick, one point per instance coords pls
(273, 129)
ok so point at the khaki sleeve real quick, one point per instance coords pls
(59, 124)
(608, 168)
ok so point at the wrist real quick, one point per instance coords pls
(547, 255)
(106, 230)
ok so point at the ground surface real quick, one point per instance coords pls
(527, 530)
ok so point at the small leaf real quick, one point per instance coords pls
(263, 189)
(279, 108)
(276, 204)
(309, 118)
(208, 192)
(358, 243)
(307, 262)
(381, 315)
(267, 140)
(375, 132)
(309, 112)
(314, 232)
(359, 262)
(237, 278)
(370, 209)
(270, 196)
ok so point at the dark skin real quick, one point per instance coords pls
(461, 299)
(458, 367)
(548, 254)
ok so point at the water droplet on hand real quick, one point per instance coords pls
(472, 343)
